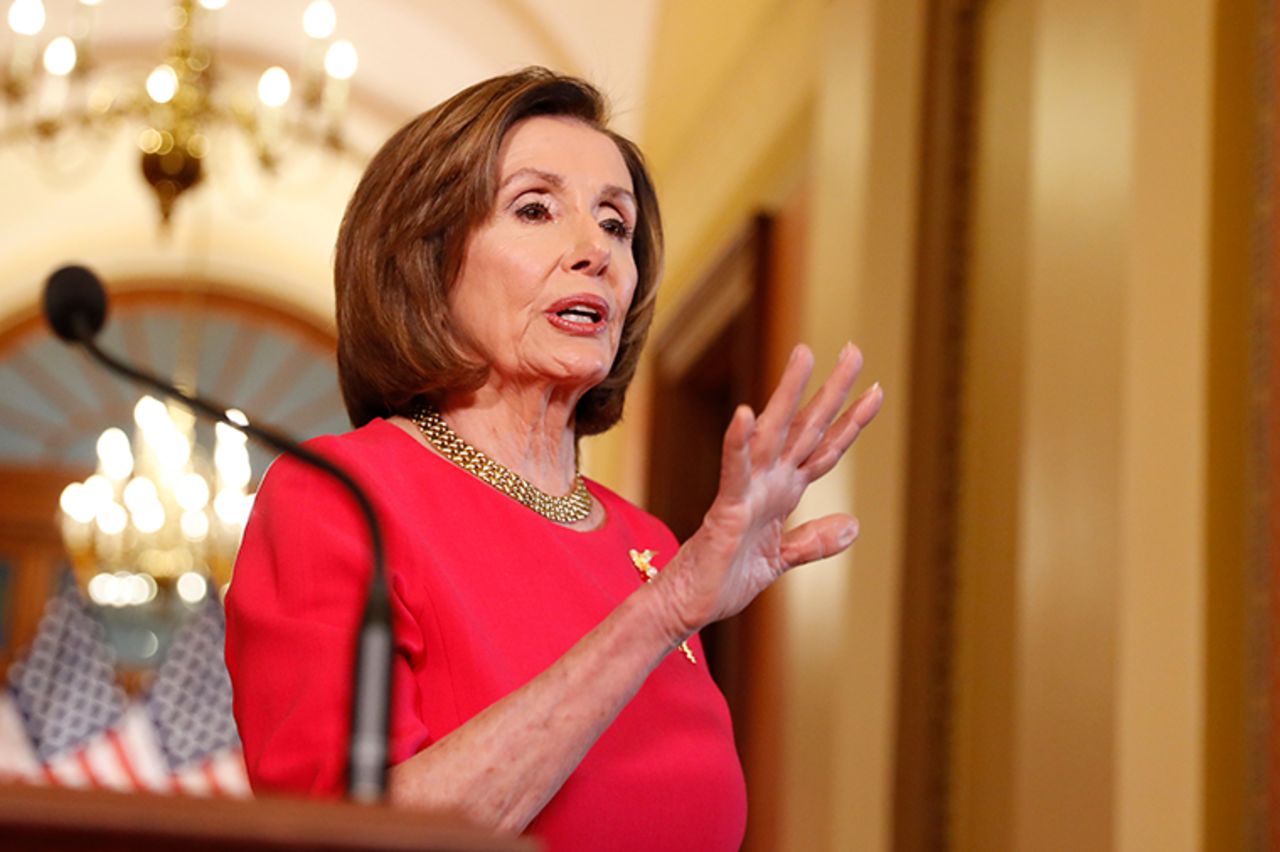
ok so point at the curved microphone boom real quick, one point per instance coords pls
(75, 306)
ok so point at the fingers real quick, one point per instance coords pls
(813, 420)
(735, 460)
(844, 432)
(775, 421)
(818, 539)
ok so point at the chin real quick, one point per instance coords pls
(585, 380)
(583, 373)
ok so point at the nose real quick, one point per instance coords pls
(590, 253)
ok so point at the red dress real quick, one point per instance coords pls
(486, 594)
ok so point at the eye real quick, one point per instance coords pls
(617, 228)
(534, 211)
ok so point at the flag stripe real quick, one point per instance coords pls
(232, 777)
(105, 765)
(137, 738)
(122, 757)
(214, 787)
(192, 781)
(65, 770)
(82, 757)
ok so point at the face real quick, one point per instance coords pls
(547, 280)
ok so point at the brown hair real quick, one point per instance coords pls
(404, 236)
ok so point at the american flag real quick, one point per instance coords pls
(190, 704)
(65, 721)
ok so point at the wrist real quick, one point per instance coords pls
(657, 603)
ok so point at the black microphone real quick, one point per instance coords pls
(75, 306)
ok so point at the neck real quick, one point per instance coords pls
(528, 431)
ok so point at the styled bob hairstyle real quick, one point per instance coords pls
(403, 240)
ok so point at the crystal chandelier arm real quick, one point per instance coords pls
(48, 101)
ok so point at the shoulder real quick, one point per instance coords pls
(361, 451)
(374, 440)
(302, 495)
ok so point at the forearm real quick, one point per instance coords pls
(502, 766)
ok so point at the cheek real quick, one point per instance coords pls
(483, 315)
(627, 295)
(518, 272)
(493, 298)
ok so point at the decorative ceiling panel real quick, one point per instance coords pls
(54, 402)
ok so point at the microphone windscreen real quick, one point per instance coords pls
(74, 303)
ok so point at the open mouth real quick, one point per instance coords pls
(581, 314)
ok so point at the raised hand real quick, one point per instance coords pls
(768, 462)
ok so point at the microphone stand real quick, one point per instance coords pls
(367, 750)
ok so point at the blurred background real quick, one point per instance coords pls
(1048, 224)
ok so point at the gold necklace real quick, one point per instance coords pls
(569, 509)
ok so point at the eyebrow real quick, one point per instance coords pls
(610, 192)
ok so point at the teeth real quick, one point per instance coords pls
(581, 315)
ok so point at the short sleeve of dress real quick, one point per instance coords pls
(292, 612)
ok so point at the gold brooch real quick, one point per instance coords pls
(643, 560)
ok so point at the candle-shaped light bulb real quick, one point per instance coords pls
(162, 84)
(115, 456)
(274, 87)
(60, 56)
(320, 19)
(26, 17)
(340, 60)
(77, 503)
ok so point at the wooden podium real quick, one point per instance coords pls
(46, 818)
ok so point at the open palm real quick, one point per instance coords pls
(768, 462)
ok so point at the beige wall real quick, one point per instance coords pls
(1164, 566)
(863, 256)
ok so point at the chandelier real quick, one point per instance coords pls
(158, 524)
(53, 85)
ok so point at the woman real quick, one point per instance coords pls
(495, 276)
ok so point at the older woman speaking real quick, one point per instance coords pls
(495, 275)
